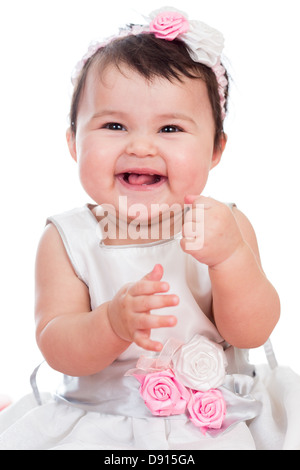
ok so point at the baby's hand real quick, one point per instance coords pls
(210, 231)
(129, 312)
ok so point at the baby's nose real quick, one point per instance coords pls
(141, 146)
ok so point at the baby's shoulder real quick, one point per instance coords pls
(50, 248)
(246, 229)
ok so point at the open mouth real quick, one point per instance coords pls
(141, 180)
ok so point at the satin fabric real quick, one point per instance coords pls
(58, 426)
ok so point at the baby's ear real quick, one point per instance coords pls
(71, 140)
(218, 150)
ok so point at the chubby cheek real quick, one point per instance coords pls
(189, 179)
(94, 177)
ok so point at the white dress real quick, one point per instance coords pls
(106, 410)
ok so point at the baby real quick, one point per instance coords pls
(147, 300)
(146, 123)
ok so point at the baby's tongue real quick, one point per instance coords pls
(135, 178)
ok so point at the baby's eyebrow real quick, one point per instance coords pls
(108, 112)
(179, 116)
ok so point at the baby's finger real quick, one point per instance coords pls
(191, 198)
(195, 200)
(144, 321)
(142, 339)
(144, 287)
(156, 274)
(145, 303)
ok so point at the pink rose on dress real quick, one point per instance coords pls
(168, 25)
(163, 394)
(207, 409)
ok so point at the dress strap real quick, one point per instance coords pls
(270, 354)
(33, 383)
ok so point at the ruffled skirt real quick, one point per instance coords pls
(57, 426)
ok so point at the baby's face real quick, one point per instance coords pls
(152, 142)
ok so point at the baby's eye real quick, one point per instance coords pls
(171, 128)
(114, 126)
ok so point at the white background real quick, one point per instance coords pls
(40, 43)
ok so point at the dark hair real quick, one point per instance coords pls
(152, 57)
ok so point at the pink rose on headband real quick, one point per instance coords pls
(168, 25)
(163, 394)
(207, 409)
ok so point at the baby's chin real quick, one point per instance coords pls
(159, 221)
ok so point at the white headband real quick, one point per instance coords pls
(205, 43)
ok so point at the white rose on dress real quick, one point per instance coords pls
(200, 364)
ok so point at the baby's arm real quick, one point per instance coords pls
(245, 304)
(77, 340)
